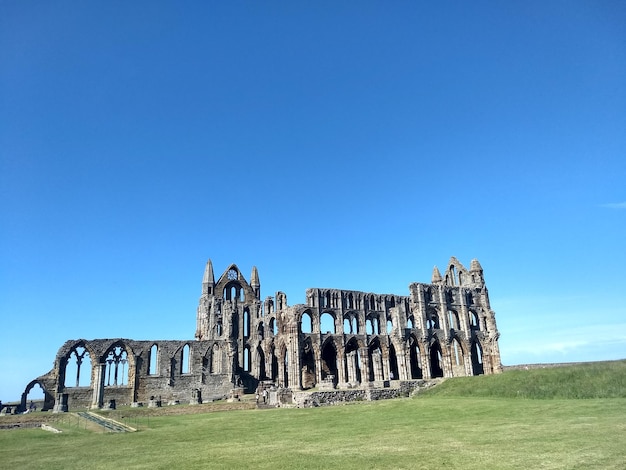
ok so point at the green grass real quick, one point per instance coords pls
(440, 430)
(591, 380)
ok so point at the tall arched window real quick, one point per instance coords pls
(474, 321)
(184, 368)
(327, 323)
(153, 366)
(457, 352)
(247, 362)
(116, 373)
(78, 368)
(246, 322)
(306, 325)
(453, 320)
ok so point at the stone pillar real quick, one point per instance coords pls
(351, 366)
(443, 311)
(341, 369)
(403, 371)
(377, 362)
(293, 365)
(446, 359)
(426, 369)
(464, 320)
(365, 365)
(98, 386)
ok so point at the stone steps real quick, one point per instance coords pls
(108, 424)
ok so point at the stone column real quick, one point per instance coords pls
(365, 365)
(464, 320)
(443, 311)
(403, 371)
(341, 369)
(425, 359)
(377, 360)
(98, 385)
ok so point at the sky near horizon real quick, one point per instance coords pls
(351, 145)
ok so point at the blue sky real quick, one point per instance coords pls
(351, 145)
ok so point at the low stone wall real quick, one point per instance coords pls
(339, 397)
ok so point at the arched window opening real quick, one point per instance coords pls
(355, 325)
(432, 322)
(453, 277)
(350, 301)
(415, 358)
(233, 293)
(184, 360)
(241, 294)
(327, 323)
(274, 326)
(389, 327)
(246, 359)
(246, 322)
(477, 359)
(307, 361)
(436, 369)
(353, 362)
(116, 373)
(369, 329)
(329, 363)
(35, 398)
(153, 361)
(409, 323)
(306, 324)
(346, 326)
(218, 327)
(393, 364)
(375, 357)
(261, 356)
(78, 368)
(474, 321)
(453, 320)
(274, 363)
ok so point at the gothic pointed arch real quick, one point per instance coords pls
(329, 370)
(436, 360)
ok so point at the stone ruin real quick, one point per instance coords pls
(358, 342)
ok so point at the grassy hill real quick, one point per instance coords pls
(472, 423)
(588, 380)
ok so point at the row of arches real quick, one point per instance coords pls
(327, 322)
(78, 369)
(357, 363)
(332, 298)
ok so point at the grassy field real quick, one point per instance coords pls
(493, 428)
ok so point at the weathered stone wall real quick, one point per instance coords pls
(338, 397)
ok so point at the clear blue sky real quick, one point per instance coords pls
(332, 144)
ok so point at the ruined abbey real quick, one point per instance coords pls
(338, 340)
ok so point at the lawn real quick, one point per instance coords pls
(434, 431)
